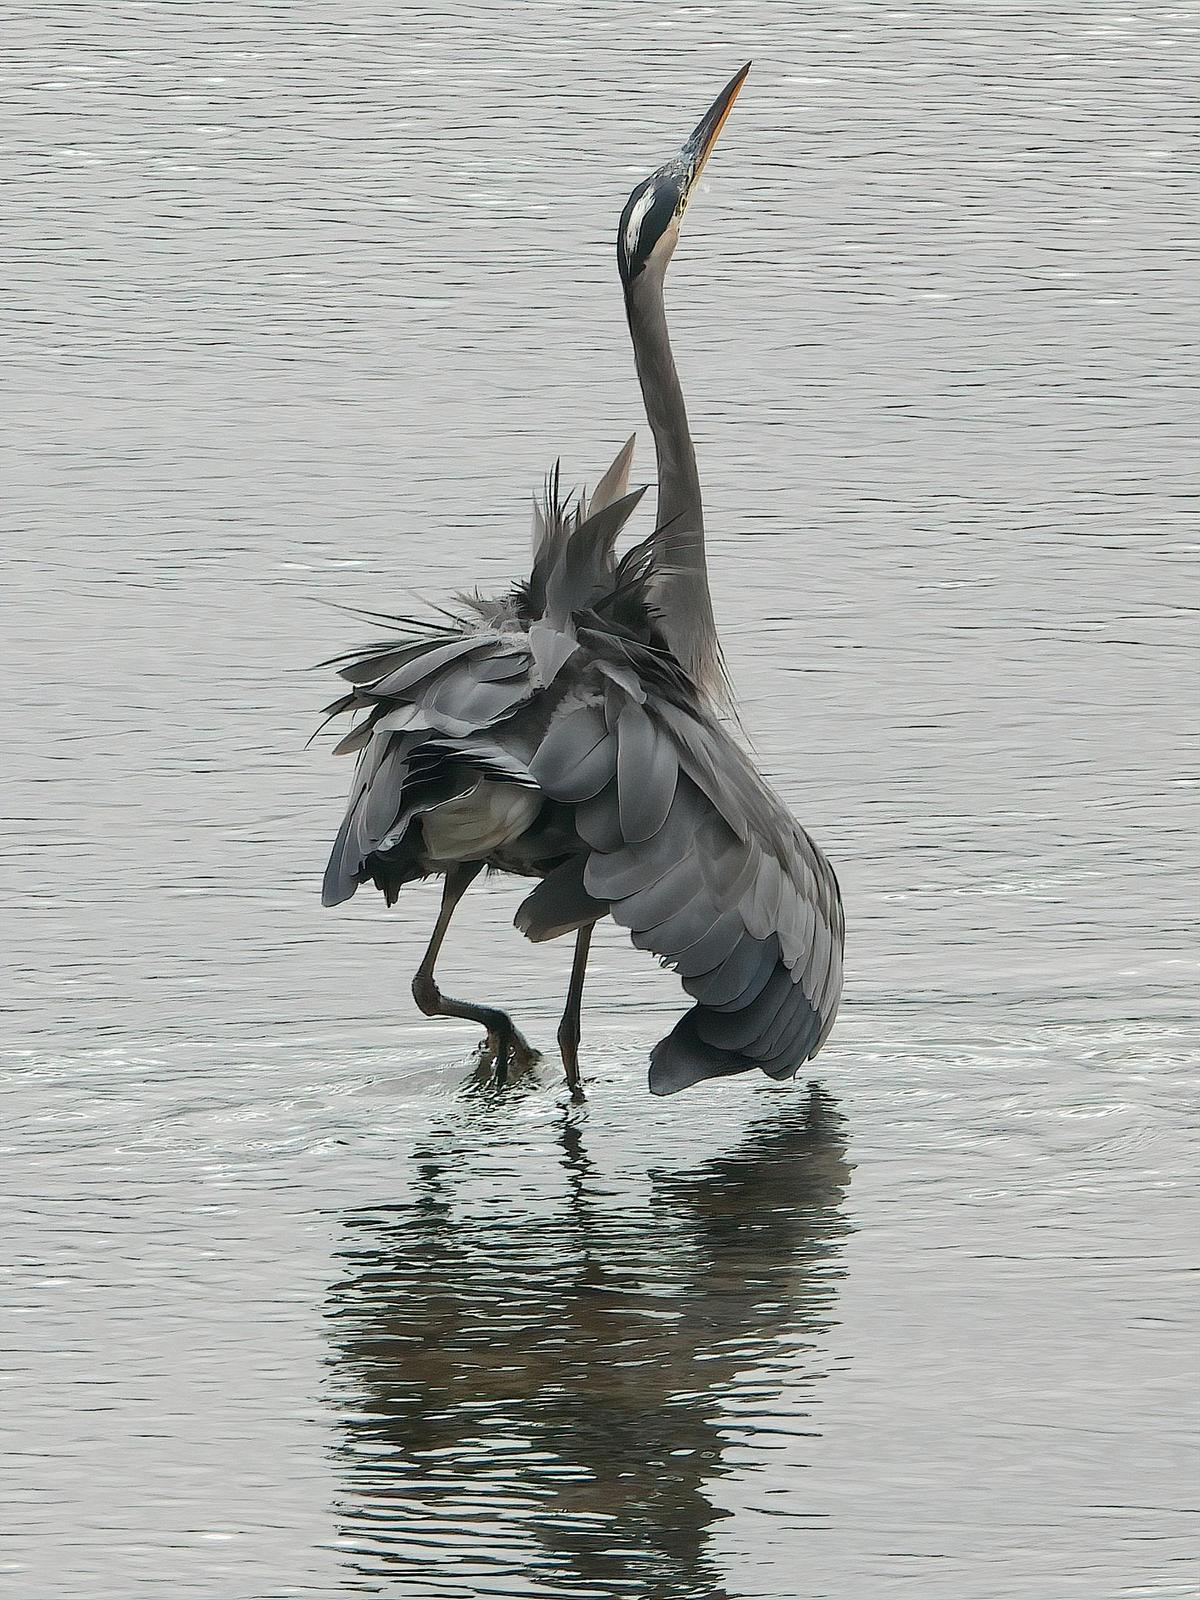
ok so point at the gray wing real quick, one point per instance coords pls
(427, 739)
(692, 852)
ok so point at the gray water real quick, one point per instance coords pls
(299, 303)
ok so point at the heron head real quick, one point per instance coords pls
(650, 221)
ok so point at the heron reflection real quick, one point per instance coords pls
(545, 1399)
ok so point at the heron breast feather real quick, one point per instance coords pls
(476, 824)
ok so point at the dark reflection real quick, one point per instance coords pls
(539, 1392)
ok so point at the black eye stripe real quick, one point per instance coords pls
(623, 229)
(653, 222)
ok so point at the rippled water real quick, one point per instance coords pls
(299, 303)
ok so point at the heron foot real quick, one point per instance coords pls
(506, 1049)
(568, 1044)
(503, 1047)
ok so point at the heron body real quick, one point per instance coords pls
(569, 731)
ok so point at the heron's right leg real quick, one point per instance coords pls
(504, 1041)
(568, 1028)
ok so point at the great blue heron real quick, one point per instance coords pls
(569, 730)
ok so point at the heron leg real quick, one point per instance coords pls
(505, 1044)
(568, 1028)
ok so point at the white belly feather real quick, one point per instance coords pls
(480, 822)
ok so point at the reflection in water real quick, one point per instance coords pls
(537, 1405)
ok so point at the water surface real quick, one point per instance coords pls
(299, 304)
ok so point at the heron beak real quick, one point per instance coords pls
(699, 147)
(652, 215)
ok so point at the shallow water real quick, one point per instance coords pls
(299, 304)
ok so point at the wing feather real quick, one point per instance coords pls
(560, 904)
(577, 756)
(501, 665)
(460, 694)
(615, 482)
(598, 821)
(683, 1058)
(372, 667)
(712, 948)
(761, 905)
(724, 887)
(355, 739)
(682, 909)
(647, 774)
(643, 862)
(739, 1031)
(816, 968)
(740, 978)
(431, 661)
(401, 719)
(671, 894)
(381, 803)
(790, 1022)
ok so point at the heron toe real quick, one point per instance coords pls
(505, 1048)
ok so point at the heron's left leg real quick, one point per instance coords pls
(568, 1028)
(505, 1043)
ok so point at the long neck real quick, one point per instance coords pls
(681, 591)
